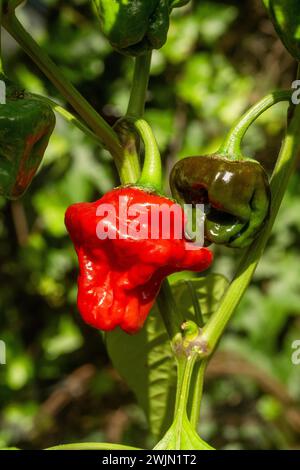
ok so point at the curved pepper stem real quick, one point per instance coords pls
(231, 147)
(151, 176)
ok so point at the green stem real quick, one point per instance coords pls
(283, 170)
(197, 392)
(69, 117)
(92, 446)
(185, 367)
(167, 307)
(129, 168)
(139, 86)
(232, 143)
(105, 133)
(131, 163)
(196, 304)
(152, 171)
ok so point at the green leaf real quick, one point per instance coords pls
(19, 372)
(214, 19)
(92, 446)
(145, 360)
(213, 87)
(66, 340)
(182, 437)
(209, 289)
(10, 448)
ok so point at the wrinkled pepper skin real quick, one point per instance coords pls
(134, 27)
(235, 193)
(26, 124)
(120, 278)
(285, 15)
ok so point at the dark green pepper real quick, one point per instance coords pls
(285, 15)
(134, 27)
(235, 194)
(26, 124)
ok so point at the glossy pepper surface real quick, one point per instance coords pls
(120, 275)
(285, 15)
(26, 124)
(235, 194)
(134, 27)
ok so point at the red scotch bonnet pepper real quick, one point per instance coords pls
(120, 275)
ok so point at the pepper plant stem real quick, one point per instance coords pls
(167, 308)
(185, 366)
(197, 392)
(152, 171)
(283, 170)
(135, 110)
(69, 117)
(140, 82)
(105, 133)
(232, 143)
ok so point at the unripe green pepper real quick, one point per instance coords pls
(26, 124)
(285, 15)
(234, 189)
(134, 27)
(235, 194)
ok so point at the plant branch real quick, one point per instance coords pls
(167, 307)
(69, 117)
(99, 126)
(185, 366)
(197, 392)
(232, 143)
(152, 171)
(139, 88)
(283, 170)
(196, 304)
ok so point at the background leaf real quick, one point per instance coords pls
(145, 361)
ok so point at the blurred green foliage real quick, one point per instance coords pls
(58, 384)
